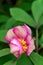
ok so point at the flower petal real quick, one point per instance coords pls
(20, 31)
(31, 46)
(9, 35)
(27, 29)
(28, 39)
(17, 54)
(15, 50)
(16, 47)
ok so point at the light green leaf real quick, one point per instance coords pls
(37, 9)
(36, 59)
(11, 62)
(2, 35)
(20, 15)
(8, 63)
(4, 52)
(40, 21)
(24, 60)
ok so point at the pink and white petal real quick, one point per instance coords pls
(15, 50)
(27, 29)
(16, 43)
(31, 47)
(28, 39)
(17, 54)
(20, 31)
(9, 35)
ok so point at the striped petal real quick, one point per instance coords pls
(31, 46)
(27, 29)
(20, 31)
(15, 50)
(16, 47)
(9, 35)
(28, 39)
(17, 54)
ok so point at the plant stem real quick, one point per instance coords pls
(37, 39)
(40, 48)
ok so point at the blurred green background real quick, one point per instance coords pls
(7, 21)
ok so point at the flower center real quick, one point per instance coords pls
(23, 44)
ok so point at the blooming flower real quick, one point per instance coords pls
(20, 40)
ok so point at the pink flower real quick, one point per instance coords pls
(20, 40)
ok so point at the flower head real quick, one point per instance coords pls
(20, 40)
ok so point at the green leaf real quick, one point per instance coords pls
(40, 21)
(3, 18)
(36, 59)
(6, 58)
(4, 52)
(2, 26)
(25, 5)
(3, 45)
(24, 60)
(2, 35)
(8, 63)
(37, 9)
(20, 15)
(11, 62)
(12, 23)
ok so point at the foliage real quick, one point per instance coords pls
(19, 12)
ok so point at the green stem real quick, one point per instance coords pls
(36, 39)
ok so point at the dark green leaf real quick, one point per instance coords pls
(6, 58)
(24, 60)
(36, 59)
(12, 23)
(3, 18)
(2, 26)
(25, 5)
